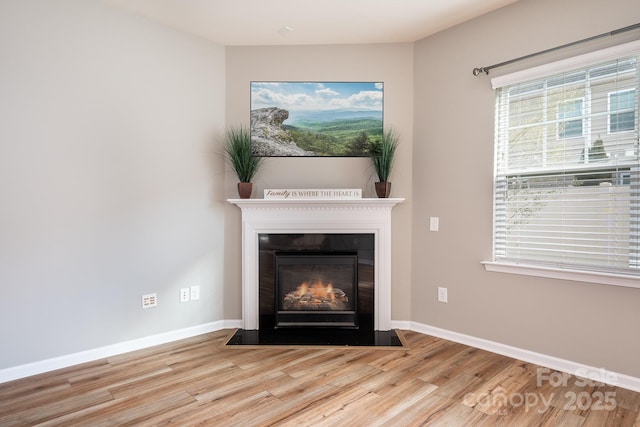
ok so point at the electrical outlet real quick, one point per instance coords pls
(195, 293)
(434, 223)
(184, 294)
(149, 300)
(442, 294)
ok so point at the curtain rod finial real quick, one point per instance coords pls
(478, 71)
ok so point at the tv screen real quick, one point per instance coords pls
(316, 118)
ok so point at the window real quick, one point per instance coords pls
(622, 111)
(567, 168)
(570, 118)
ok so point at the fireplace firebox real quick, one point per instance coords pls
(316, 280)
(316, 289)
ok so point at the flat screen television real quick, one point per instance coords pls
(332, 119)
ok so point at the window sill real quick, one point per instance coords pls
(564, 274)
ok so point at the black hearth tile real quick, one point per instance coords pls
(316, 337)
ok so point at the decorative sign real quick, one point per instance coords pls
(313, 194)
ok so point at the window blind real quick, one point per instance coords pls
(567, 167)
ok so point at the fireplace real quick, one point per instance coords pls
(271, 226)
(316, 280)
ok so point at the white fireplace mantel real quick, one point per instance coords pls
(370, 216)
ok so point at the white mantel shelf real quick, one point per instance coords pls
(297, 203)
(367, 215)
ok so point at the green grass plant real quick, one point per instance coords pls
(383, 154)
(239, 155)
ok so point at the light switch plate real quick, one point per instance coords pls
(149, 300)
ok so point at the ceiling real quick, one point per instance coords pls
(309, 22)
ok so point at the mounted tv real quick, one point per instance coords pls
(320, 119)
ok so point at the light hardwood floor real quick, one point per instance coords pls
(197, 382)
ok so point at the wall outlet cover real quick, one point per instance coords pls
(195, 293)
(442, 294)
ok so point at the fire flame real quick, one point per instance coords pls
(316, 295)
(316, 289)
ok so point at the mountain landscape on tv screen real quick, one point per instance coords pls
(316, 118)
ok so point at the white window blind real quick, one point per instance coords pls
(567, 168)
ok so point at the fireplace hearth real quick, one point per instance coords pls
(354, 338)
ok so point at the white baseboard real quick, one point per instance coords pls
(551, 362)
(402, 324)
(562, 365)
(47, 365)
(233, 324)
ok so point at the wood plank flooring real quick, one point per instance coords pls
(196, 381)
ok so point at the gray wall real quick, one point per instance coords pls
(110, 185)
(452, 178)
(389, 63)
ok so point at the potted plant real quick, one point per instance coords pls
(382, 155)
(242, 161)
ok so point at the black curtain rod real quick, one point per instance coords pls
(480, 70)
